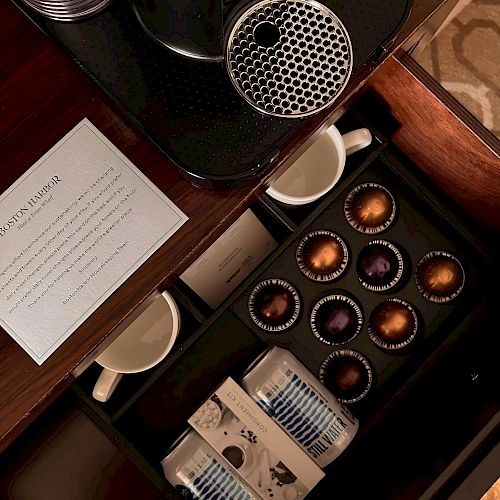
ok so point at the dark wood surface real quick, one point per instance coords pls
(43, 94)
(439, 135)
(64, 455)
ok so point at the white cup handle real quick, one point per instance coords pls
(106, 384)
(356, 140)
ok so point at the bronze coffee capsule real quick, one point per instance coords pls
(347, 374)
(393, 324)
(440, 277)
(322, 255)
(274, 305)
(370, 208)
(379, 266)
(336, 319)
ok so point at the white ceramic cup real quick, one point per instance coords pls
(142, 345)
(319, 168)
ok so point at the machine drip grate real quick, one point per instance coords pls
(289, 58)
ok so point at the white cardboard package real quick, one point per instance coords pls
(240, 431)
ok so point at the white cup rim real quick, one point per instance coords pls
(168, 347)
(336, 138)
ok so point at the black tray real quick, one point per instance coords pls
(195, 316)
(189, 108)
(417, 403)
(417, 229)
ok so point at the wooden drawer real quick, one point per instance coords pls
(451, 154)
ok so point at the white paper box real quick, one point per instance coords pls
(268, 460)
(229, 260)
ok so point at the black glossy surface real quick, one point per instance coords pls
(189, 108)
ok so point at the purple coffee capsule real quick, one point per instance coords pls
(379, 266)
(336, 319)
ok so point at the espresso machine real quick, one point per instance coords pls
(220, 85)
(285, 58)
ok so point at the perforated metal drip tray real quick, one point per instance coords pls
(189, 108)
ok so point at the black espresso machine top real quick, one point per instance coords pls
(189, 108)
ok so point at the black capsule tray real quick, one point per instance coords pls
(144, 421)
(418, 228)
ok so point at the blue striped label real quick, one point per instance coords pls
(216, 482)
(301, 411)
(303, 414)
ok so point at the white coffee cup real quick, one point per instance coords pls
(319, 168)
(142, 345)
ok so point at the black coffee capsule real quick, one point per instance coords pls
(336, 319)
(347, 374)
(370, 208)
(440, 277)
(274, 305)
(393, 324)
(322, 255)
(379, 266)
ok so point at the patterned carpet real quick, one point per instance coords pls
(465, 59)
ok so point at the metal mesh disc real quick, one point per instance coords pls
(67, 10)
(289, 58)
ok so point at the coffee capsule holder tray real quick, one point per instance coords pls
(415, 231)
(148, 411)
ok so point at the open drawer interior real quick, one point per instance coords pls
(428, 400)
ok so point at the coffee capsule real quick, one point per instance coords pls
(370, 208)
(347, 374)
(322, 255)
(393, 324)
(274, 305)
(336, 319)
(440, 277)
(379, 266)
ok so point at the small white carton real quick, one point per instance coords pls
(260, 451)
(229, 260)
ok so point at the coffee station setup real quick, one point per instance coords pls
(250, 274)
